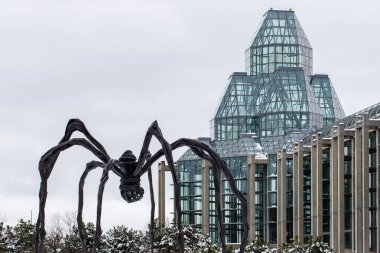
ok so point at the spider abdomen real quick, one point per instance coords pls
(130, 189)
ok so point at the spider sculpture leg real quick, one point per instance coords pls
(82, 232)
(45, 167)
(103, 181)
(218, 164)
(216, 177)
(77, 125)
(152, 203)
(47, 163)
(154, 130)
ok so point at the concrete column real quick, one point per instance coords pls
(295, 189)
(281, 197)
(314, 187)
(174, 204)
(299, 192)
(365, 177)
(206, 166)
(358, 208)
(251, 197)
(337, 189)
(222, 190)
(320, 185)
(317, 186)
(161, 193)
(341, 208)
(378, 190)
(353, 191)
(334, 193)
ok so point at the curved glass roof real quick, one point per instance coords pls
(348, 122)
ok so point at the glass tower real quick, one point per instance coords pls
(276, 101)
(280, 42)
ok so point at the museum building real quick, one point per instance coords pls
(306, 169)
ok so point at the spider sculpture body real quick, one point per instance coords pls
(130, 171)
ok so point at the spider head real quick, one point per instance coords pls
(130, 188)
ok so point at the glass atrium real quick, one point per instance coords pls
(277, 101)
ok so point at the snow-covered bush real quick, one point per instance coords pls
(318, 246)
(3, 241)
(195, 242)
(18, 238)
(258, 246)
(71, 242)
(122, 239)
(293, 246)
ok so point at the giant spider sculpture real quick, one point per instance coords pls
(130, 171)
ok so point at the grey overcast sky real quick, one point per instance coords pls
(119, 65)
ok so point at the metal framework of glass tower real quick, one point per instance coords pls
(280, 42)
(275, 102)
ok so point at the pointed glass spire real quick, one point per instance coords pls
(280, 42)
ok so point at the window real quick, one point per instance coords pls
(272, 184)
(272, 199)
